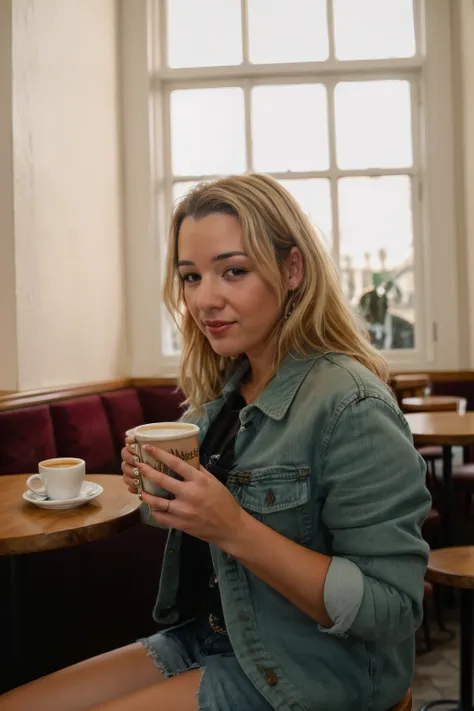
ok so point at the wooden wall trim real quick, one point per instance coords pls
(44, 396)
(155, 382)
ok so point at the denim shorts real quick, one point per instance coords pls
(195, 645)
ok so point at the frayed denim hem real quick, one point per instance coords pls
(153, 654)
(167, 673)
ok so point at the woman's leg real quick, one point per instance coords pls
(87, 684)
(179, 693)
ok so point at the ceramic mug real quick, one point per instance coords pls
(61, 478)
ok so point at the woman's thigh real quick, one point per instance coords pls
(87, 684)
(201, 670)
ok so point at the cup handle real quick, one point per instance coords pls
(41, 491)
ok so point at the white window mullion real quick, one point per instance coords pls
(248, 126)
(245, 31)
(315, 70)
(333, 173)
(418, 15)
(331, 33)
(167, 186)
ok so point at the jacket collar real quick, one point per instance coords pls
(280, 392)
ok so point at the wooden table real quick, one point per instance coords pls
(435, 403)
(445, 429)
(25, 528)
(455, 567)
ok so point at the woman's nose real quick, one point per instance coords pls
(208, 295)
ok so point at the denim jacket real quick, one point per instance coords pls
(325, 457)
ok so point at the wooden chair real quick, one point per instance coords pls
(405, 704)
(410, 385)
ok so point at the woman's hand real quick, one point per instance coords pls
(129, 465)
(202, 507)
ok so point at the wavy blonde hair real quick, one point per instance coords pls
(272, 223)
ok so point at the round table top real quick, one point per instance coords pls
(442, 428)
(452, 566)
(410, 380)
(434, 403)
(26, 528)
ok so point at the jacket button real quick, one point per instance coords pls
(270, 498)
(270, 677)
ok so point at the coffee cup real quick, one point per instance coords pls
(178, 438)
(61, 478)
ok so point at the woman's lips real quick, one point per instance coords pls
(215, 328)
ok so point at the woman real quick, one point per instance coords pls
(310, 498)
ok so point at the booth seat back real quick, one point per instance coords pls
(91, 427)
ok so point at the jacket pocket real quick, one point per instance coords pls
(278, 496)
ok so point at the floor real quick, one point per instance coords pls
(437, 672)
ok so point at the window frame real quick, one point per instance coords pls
(432, 174)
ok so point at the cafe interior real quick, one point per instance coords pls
(110, 111)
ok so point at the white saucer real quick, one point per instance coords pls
(89, 490)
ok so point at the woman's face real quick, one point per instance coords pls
(224, 292)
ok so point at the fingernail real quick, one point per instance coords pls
(148, 448)
(136, 460)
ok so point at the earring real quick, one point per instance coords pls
(291, 306)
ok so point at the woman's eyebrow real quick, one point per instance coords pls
(217, 258)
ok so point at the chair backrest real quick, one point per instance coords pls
(405, 704)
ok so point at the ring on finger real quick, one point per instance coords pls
(166, 510)
(136, 482)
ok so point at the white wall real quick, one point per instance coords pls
(8, 352)
(465, 31)
(70, 295)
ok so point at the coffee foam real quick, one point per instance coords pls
(61, 463)
(165, 431)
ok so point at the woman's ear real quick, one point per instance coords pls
(294, 267)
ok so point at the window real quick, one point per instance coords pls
(328, 97)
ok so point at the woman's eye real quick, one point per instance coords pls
(235, 272)
(190, 278)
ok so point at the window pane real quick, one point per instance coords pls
(180, 189)
(207, 131)
(287, 31)
(376, 250)
(373, 124)
(204, 33)
(374, 29)
(290, 128)
(314, 196)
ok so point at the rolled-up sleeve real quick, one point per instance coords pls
(375, 504)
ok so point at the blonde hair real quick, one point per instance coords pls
(272, 223)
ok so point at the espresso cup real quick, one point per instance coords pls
(61, 478)
(178, 438)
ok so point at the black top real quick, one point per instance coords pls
(198, 593)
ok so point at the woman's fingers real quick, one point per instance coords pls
(128, 457)
(163, 481)
(176, 464)
(129, 466)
